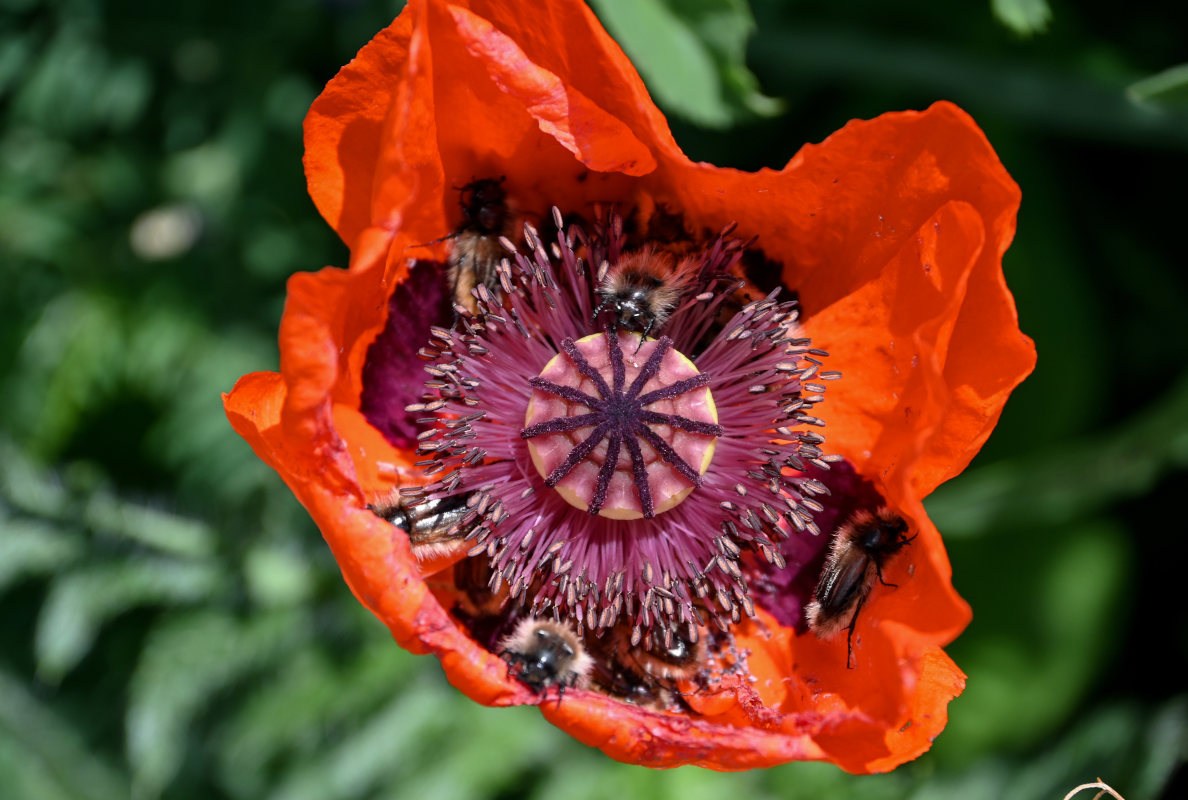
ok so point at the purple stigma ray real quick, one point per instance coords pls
(684, 423)
(650, 367)
(618, 370)
(620, 417)
(639, 471)
(578, 454)
(674, 389)
(613, 445)
(560, 425)
(585, 368)
(668, 454)
(567, 393)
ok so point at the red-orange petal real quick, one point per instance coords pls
(343, 129)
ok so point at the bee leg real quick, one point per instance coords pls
(879, 572)
(605, 302)
(567, 682)
(514, 660)
(850, 634)
(647, 329)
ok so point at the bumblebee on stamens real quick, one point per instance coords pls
(667, 659)
(543, 653)
(476, 253)
(434, 527)
(476, 599)
(861, 548)
(642, 289)
(649, 673)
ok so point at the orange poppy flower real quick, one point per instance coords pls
(684, 566)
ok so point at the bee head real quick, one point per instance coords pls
(630, 306)
(886, 535)
(484, 204)
(546, 659)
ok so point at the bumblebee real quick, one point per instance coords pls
(861, 548)
(476, 253)
(543, 653)
(642, 289)
(434, 526)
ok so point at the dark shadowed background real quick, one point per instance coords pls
(172, 624)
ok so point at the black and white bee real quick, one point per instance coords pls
(543, 653)
(435, 527)
(861, 548)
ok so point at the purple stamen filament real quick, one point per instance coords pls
(619, 415)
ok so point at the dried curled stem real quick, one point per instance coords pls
(1098, 784)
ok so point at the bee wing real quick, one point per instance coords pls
(845, 583)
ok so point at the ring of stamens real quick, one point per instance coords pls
(664, 576)
(633, 447)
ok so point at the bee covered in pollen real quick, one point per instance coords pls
(861, 548)
(642, 289)
(435, 527)
(476, 253)
(542, 653)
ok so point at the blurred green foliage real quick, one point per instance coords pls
(175, 627)
(692, 54)
(1024, 17)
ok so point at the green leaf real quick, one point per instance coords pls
(1164, 90)
(186, 661)
(27, 488)
(1163, 748)
(295, 713)
(210, 173)
(42, 757)
(80, 602)
(30, 548)
(692, 55)
(160, 530)
(464, 768)
(71, 362)
(1024, 17)
(76, 85)
(427, 741)
(1133, 749)
(277, 576)
(390, 741)
(15, 52)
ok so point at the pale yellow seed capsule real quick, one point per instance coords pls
(668, 487)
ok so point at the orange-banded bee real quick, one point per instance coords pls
(664, 659)
(648, 673)
(543, 653)
(476, 599)
(642, 289)
(434, 526)
(476, 253)
(861, 548)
